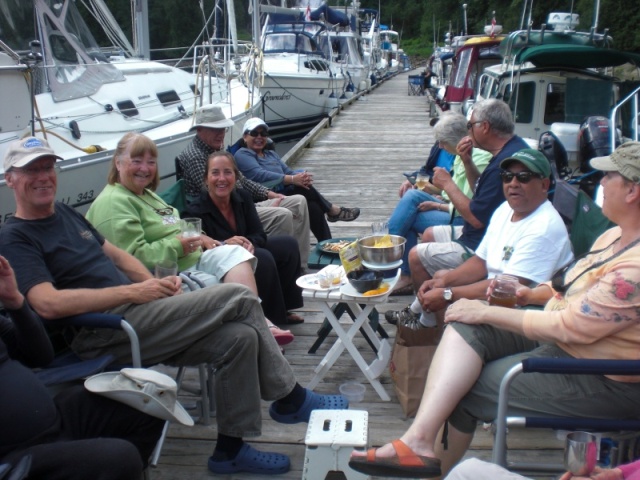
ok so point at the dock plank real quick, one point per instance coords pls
(357, 161)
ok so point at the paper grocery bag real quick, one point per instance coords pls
(410, 361)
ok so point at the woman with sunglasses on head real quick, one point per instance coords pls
(131, 216)
(596, 317)
(259, 163)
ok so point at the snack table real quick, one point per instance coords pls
(361, 306)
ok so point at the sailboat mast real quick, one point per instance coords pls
(141, 28)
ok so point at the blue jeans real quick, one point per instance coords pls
(408, 222)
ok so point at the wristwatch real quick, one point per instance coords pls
(447, 294)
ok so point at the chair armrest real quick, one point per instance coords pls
(104, 320)
(581, 366)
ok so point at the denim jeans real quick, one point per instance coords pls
(408, 222)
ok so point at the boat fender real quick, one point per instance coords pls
(93, 149)
(75, 129)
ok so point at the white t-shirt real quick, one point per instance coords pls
(532, 248)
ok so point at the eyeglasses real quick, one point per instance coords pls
(261, 133)
(32, 171)
(522, 177)
(471, 124)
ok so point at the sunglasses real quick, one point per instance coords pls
(261, 133)
(522, 177)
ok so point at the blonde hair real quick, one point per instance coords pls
(138, 144)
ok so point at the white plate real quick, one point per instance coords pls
(347, 288)
(310, 282)
(377, 266)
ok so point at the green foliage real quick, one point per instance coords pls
(178, 22)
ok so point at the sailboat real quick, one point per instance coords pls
(57, 83)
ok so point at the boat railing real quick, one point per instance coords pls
(633, 98)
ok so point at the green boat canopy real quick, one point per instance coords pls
(575, 56)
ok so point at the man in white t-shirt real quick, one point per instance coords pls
(526, 238)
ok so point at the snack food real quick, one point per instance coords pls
(334, 247)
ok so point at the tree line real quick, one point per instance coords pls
(176, 23)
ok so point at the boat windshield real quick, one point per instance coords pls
(73, 65)
(341, 49)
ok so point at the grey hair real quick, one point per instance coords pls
(497, 113)
(451, 128)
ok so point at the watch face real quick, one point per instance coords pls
(448, 294)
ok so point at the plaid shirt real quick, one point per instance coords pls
(193, 161)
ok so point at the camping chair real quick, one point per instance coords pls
(627, 429)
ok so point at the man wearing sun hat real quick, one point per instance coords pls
(65, 267)
(625, 160)
(279, 215)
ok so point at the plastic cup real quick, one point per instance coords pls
(166, 268)
(580, 451)
(191, 227)
(380, 228)
(504, 291)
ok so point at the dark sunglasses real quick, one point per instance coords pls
(261, 133)
(522, 177)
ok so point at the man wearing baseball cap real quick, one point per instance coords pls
(65, 267)
(625, 160)
(278, 214)
(526, 238)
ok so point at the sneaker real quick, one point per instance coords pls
(345, 215)
(404, 316)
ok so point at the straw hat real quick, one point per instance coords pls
(151, 392)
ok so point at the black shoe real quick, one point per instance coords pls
(345, 215)
(404, 316)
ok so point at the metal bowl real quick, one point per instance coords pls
(381, 255)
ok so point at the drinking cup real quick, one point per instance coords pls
(191, 227)
(326, 278)
(166, 268)
(580, 452)
(504, 291)
(421, 181)
(380, 228)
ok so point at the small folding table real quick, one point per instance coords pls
(361, 306)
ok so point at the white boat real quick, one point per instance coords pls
(86, 96)
(389, 44)
(297, 83)
(372, 53)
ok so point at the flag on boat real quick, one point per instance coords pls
(493, 26)
(307, 14)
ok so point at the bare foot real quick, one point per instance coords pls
(387, 450)
(403, 281)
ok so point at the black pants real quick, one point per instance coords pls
(98, 439)
(276, 274)
(317, 206)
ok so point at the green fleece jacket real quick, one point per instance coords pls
(135, 223)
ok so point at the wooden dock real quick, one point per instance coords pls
(357, 161)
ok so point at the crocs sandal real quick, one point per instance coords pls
(345, 215)
(313, 401)
(405, 464)
(285, 337)
(251, 460)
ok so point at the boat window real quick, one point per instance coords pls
(587, 97)
(280, 43)
(463, 65)
(61, 48)
(554, 103)
(521, 101)
(127, 108)
(168, 98)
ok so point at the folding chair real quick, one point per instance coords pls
(627, 429)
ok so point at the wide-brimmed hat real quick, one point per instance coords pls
(151, 392)
(625, 160)
(254, 123)
(22, 152)
(534, 160)
(211, 116)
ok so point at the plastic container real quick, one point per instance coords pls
(354, 391)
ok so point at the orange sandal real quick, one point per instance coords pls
(406, 463)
